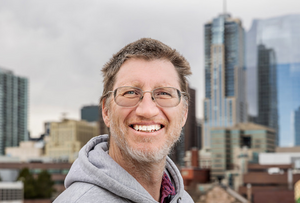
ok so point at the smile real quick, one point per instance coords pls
(146, 128)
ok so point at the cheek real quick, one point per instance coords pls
(175, 116)
(121, 115)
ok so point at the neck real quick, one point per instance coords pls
(149, 175)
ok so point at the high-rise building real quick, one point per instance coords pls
(13, 109)
(267, 88)
(190, 127)
(280, 34)
(225, 102)
(189, 137)
(90, 113)
(296, 125)
(93, 113)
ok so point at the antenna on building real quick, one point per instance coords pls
(64, 116)
(224, 7)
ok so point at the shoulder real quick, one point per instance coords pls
(186, 198)
(183, 197)
(80, 192)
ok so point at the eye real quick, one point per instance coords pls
(130, 93)
(163, 94)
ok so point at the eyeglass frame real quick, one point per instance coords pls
(180, 94)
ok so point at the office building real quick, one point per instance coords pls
(190, 128)
(68, 137)
(296, 124)
(267, 88)
(13, 109)
(224, 140)
(225, 102)
(189, 137)
(12, 192)
(90, 113)
(199, 132)
(93, 113)
(281, 35)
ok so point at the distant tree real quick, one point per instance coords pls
(44, 185)
(298, 200)
(27, 178)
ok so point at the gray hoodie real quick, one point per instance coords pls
(96, 177)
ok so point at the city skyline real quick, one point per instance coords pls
(62, 54)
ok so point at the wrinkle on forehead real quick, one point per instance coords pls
(148, 82)
(142, 85)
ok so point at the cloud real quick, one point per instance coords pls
(61, 45)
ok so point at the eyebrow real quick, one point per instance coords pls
(140, 84)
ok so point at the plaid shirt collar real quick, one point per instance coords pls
(167, 189)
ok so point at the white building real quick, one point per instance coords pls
(11, 192)
(26, 151)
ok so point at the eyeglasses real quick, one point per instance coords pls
(127, 96)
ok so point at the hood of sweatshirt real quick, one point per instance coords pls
(96, 167)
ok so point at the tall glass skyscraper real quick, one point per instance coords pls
(224, 103)
(296, 125)
(280, 34)
(267, 88)
(13, 109)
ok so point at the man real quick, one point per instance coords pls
(144, 105)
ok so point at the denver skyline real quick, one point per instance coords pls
(61, 46)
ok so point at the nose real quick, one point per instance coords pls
(147, 108)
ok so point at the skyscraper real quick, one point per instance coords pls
(190, 127)
(13, 109)
(281, 34)
(93, 113)
(225, 102)
(189, 137)
(90, 113)
(267, 88)
(296, 125)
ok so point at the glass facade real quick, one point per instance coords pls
(267, 88)
(90, 113)
(13, 109)
(296, 125)
(280, 34)
(224, 103)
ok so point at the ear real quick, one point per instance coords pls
(185, 116)
(105, 113)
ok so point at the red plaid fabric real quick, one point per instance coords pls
(167, 189)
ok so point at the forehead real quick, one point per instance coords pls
(147, 74)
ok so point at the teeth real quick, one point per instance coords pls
(146, 128)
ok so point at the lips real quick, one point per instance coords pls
(147, 128)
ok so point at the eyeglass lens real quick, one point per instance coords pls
(130, 96)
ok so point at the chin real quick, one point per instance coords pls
(148, 154)
(146, 149)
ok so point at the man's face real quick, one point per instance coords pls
(145, 146)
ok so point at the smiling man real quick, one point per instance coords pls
(144, 105)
